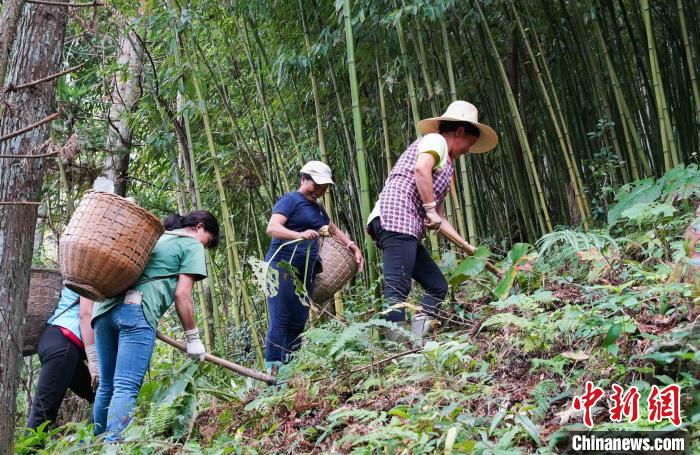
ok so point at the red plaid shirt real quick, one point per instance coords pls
(401, 208)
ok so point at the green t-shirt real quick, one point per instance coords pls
(171, 256)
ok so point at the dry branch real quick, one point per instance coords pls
(71, 5)
(373, 364)
(30, 127)
(13, 88)
(19, 203)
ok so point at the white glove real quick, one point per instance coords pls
(195, 348)
(93, 365)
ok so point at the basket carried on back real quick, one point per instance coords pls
(44, 293)
(106, 245)
(339, 267)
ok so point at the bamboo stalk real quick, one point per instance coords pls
(236, 368)
(276, 90)
(385, 123)
(409, 77)
(520, 127)
(423, 64)
(328, 197)
(667, 136)
(691, 65)
(568, 158)
(214, 314)
(228, 225)
(66, 188)
(470, 228)
(562, 119)
(359, 142)
(263, 101)
(233, 120)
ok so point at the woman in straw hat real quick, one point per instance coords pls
(412, 200)
(297, 216)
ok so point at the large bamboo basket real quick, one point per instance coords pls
(44, 293)
(339, 267)
(106, 245)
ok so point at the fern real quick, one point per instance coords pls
(525, 304)
(577, 241)
(344, 414)
(500, 320)
(161, 417)
(357, 332)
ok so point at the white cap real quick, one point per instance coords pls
(319, 172)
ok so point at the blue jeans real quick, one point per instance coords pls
(124, 342)
(288, 315)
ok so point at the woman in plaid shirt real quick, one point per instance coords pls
(413, 200)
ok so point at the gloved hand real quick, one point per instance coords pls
(195, 348)
(93, 366)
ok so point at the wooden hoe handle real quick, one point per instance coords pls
(467, 248)
(240, 369)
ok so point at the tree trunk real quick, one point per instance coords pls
(11, 12)
(36, 53)
(126, 91)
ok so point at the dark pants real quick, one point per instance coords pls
(405, 259)
(62, 367)
(288, 315)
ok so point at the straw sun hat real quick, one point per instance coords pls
(461, 111)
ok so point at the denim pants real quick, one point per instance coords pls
(288, 315)
(124, 342)
(405, 259)
(62, 367)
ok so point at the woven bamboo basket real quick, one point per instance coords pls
(44, 294)
(106, 245)
(339, 267)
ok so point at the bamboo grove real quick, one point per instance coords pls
(232, 97)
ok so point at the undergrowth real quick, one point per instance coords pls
(607, 306)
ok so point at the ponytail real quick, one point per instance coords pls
(211, 225)
(173, 221)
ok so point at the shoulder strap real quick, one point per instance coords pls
(179, 234)
(163, 277)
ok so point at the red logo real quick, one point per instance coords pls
(665, 404)
(625, 404)
(586, 401)
(662, 404)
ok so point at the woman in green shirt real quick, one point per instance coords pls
(125, 326)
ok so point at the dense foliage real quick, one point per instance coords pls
(583, 203)
(609, 306)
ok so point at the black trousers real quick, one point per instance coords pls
(405, 259)
(62, 367)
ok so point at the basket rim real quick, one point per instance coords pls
(45, 269)
(149, 216)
